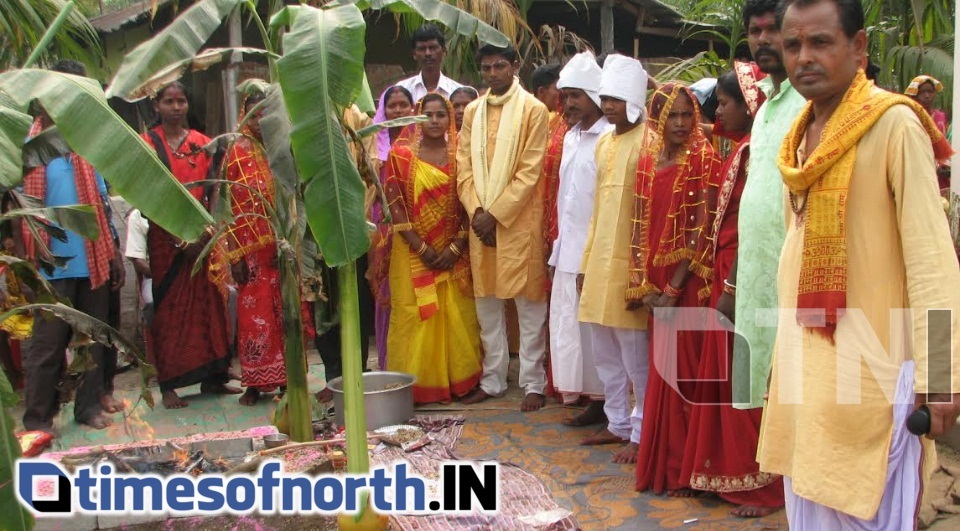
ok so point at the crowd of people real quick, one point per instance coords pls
(733, 281)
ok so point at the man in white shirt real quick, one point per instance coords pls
(574, 370)
(429, 49)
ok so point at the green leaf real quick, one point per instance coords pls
(396, 122)
(15, 515)
(14, 126)
(78, 106)
(198, 63)
(81, 219)
(178, 42)
(365, 102)
(44, 148)
(450, 16)
(321, 72)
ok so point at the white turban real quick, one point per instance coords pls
(625, 79)
(582, 72)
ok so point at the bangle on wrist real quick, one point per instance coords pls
(729, 287)
(422, 249)
(455, 249)
(672, 292)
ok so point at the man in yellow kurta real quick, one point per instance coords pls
(618, 336)
(867, 254)
(498, 163)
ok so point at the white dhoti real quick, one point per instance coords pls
(901, 496)
(622, 361)
(491, 313)
(571, 358)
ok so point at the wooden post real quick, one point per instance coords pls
(231, 106)
(606, 26)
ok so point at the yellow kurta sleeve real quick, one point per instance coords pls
(466, 188)
(930, 262)
(515, 197)
(601, 146)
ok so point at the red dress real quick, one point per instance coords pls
(260, 332)
(189, 328)
(721, 444)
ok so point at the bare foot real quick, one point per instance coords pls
(593, 414)
(324, 395)
(532, 402)
(682, 493)
(220, 389)
(477, 396)
(98, 422)
(752, 511)
(173, 401)
(111, 405)
(603, 436)
(250, 397)
(627, 455)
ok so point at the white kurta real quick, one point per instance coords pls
(573, 366)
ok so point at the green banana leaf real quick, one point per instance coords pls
(178, 42)
(449, 15)
(81, 219)
(43, 291)
(78, 106)
(14, 514)
(199, 62)
(365, 102)
(14, 126)
(321, 73)
(396, 122)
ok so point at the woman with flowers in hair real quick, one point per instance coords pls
(668, 273)
(433, 331)
(722, 442)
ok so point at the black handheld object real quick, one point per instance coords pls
(918, 423)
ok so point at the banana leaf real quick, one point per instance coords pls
(178, 42)
(78, 106)
(321, 73)
(14, 126)
(15, 515)
(42, 290)
(44, 148)
(449, 15)
(81, 219)
(199, 62)
(396, 122)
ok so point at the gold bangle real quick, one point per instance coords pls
(422, 249)
(672, 292)
(455, 249)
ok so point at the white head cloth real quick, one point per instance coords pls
(625, 79)
(582, 72)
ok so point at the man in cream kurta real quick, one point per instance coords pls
(573, 365)
(834, 422)
(618, 336)
(498, 179)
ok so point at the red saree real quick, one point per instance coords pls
(671, 222)
(551, 177)
(721, 445)
(260, 332)
(189, 326)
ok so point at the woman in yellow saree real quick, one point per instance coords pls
(433, 330)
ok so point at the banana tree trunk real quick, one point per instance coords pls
(354, 412)
(298, 397)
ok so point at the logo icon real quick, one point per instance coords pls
(43, 486)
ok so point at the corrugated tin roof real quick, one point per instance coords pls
(129, 16)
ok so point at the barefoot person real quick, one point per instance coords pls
(94, 269)
(189, 327)
(722, 444)
(434, 333)
(617, 335)
(672, 222)
(253, 254)
(573, 365)
(868, 288)
(498, 163)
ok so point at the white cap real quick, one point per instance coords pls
(582, 72)
(703, 88)
(625, 79)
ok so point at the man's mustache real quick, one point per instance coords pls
(766, 50)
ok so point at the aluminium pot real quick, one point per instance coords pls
(384, 407)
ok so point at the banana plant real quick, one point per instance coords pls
(316, 57)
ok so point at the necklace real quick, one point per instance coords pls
(176, 142)
(799, 211)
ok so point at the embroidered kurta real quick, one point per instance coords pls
(606, 256)
(516, 266)
(899, 255)
(760, 231)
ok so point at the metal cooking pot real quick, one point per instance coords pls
(384, 407)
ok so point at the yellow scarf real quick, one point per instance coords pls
(825, 178)
(491, 180)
